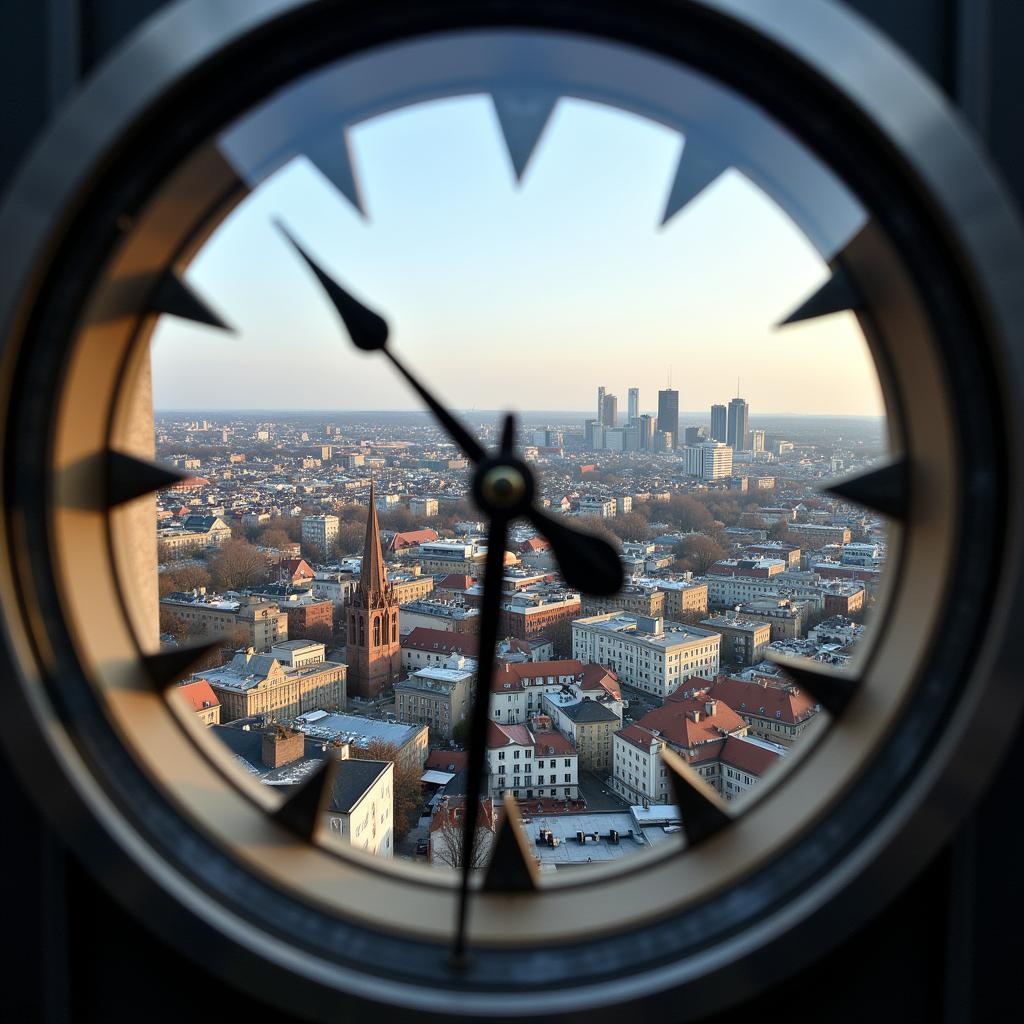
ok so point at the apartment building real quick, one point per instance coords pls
(438, 696)
(649, 653)
(743, 640)
(531, 762)
(248, 621)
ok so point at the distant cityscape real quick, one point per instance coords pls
(337, 559)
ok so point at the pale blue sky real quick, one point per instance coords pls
(505, 296)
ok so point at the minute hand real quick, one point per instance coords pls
(587, 562)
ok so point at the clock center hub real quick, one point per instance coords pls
(504, 487)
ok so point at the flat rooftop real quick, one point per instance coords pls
(353, 729)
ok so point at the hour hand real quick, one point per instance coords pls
(369, 332)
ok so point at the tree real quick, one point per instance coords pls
(780, 532)
(275, 537)
(460, 732)
(447, 840)
(630, 527)
(687, 513)
(184, 578)
(350, 539)
(407, 794)
(699, 552)
(173, 625)
(599, 528)
(238, 565)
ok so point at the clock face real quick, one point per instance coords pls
(604, 366)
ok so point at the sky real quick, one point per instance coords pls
(520, 296)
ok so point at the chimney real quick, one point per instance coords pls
(281, 746)
(711, 706)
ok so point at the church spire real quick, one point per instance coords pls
(372, 578)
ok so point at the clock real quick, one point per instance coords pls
(870, 181)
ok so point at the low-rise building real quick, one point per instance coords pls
(684, 598)
(773, 708)
(437, 696)
(711, 737)
(444, 616)
(785, 617)
(424, 646)
(450, 556)
(247, 620)
(641, 600)
(743, 640)
(358, 732)
(531, 762)
(649, 653)
(360, 809)
(590, 724)
(540, 612)
(202, 700)
(280, 685)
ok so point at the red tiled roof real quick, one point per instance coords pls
(762, 701)
(456, 581)
(200, 695)
(440, 760)
(506, 735)
(597, 677)
(423, 638)
(686, 723)
(747, 757)
(411, 539)
(516, 675)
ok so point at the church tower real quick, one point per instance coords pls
(374, 655)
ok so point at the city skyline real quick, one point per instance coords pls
(569, 268)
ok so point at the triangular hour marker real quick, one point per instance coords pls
(303, 808)
(129, 477)
(703, 811)
(884, 488)
(512, 867)
(331, 155)
(172, 295)
(697, 168)
(522, 117)
(831, 688)
(836, 295)
(167, 667)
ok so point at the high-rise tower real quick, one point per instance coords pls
(374, 653)
(633, 406)
(719, 428)
(668, 414)
(739, 415)
(600, 405)
(610, 411)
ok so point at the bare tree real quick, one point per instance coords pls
(446, 839)
(184, 578)
(238, 564)
(699, 552)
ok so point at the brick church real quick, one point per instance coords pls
(374, 651)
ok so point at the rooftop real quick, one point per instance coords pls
(353, 729)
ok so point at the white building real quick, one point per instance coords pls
(710, 460)
(729, 591)
(360, 811)
(531, 762)
(320, 533)
(602, 508)
(424, 508)
(645, 651)
(518, 689)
